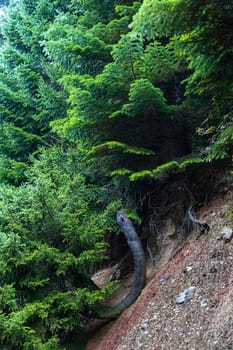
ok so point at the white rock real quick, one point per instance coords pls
(204, 303)
(181, 298)
(227, 233)
(188, 268)
(187, 294)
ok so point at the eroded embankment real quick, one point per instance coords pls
(201, 318)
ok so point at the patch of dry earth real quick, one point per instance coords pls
(157, 322)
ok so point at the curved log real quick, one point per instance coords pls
(139, 258)
(110, 312)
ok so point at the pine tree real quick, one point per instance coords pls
(52, 235)
(30, 96)
(200, 35)
(123, 114)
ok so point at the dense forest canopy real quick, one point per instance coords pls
(97, 98)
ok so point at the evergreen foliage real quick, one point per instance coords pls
(97, 98)
(52, 234)
(29, 93)
(199, 33)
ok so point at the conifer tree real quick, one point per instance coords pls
(30, 96)
(94, 93)
(52, 234)
(123, 113)
(200, 35)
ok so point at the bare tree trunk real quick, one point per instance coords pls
(139, 280)
(136, 248)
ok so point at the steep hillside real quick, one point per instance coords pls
(188, 300)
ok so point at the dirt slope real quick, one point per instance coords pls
(204, 320)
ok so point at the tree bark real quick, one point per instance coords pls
(136, 248)
(139, 279)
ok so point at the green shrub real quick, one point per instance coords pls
(52, 234)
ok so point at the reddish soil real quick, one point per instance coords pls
(156, 321)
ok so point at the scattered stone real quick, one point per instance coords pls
(204, 303)
(213, 269)
(188, 268)
(164, 279)
(216, 265)
(216, 254)
(190, 293)
(144, 328)
(187, 294)
(181, 298)
(226, 234)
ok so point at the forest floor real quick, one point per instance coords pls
(199, 272)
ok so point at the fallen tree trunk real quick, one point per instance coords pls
(136, 248)
(106, 313)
